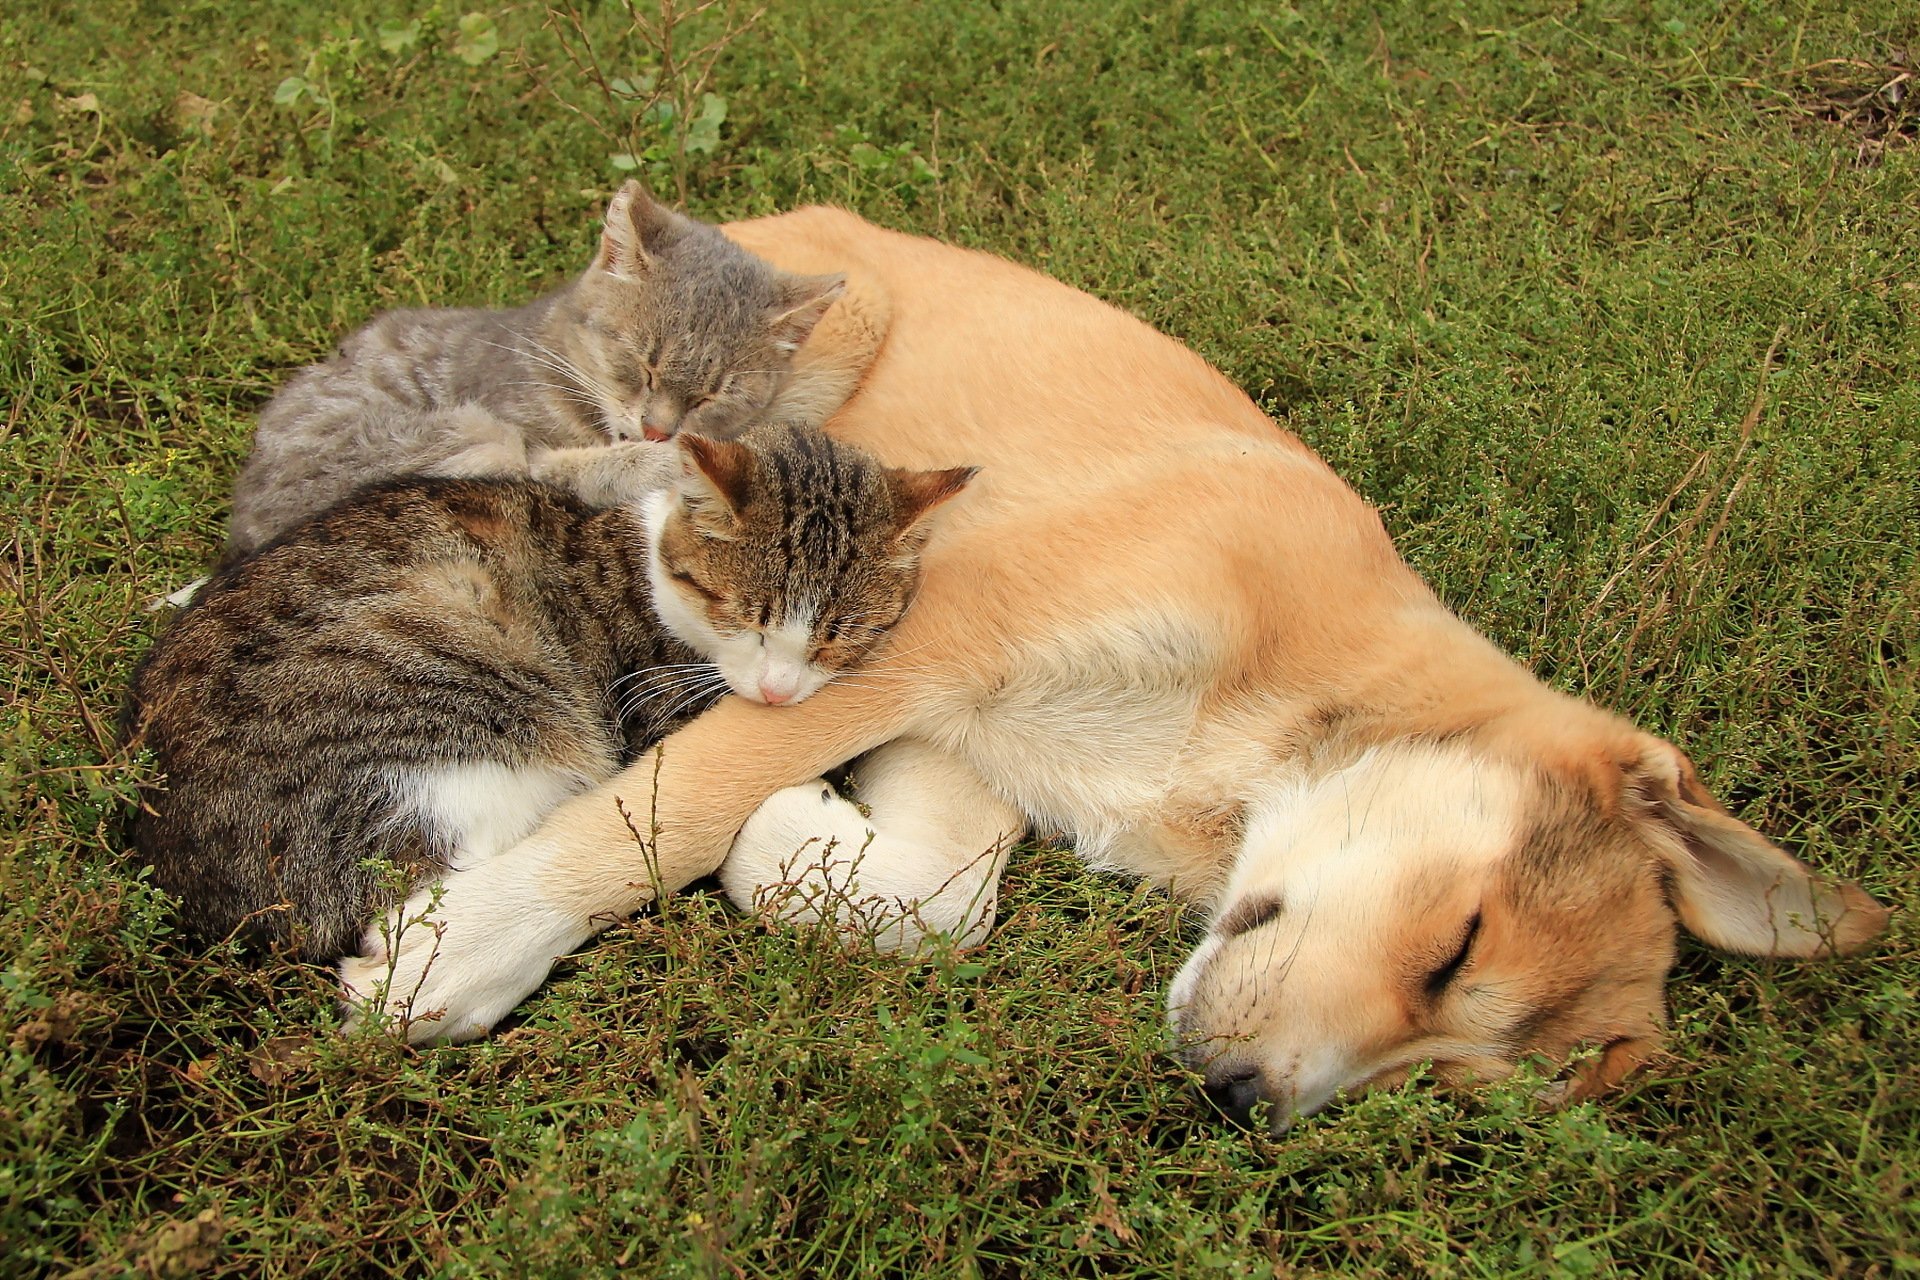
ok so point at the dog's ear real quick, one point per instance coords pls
(1732, 888)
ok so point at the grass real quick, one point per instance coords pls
(1614, 309)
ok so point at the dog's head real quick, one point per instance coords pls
(1443, 904)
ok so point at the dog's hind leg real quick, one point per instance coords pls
(920, 854)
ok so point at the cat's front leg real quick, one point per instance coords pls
(459, 954)
(609, 475)
(493, 932)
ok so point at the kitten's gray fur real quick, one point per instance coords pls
(490, 631)
(672, 325)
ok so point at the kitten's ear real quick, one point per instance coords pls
(1732, 888)
(803, 300)
(917, 493)
(637, 229)
(716, 478)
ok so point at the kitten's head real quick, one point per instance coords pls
(785, 556)
(675, 326)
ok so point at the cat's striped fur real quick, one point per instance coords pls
(420, 673)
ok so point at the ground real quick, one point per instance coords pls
(1613, 308)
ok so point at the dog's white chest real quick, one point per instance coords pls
(1086, 732)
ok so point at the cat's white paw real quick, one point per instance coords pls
(807, 856)
(454, 959)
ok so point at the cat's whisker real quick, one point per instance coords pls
(555, 359)
(691, 700)
(556, 387)
(656, 689)
(549, 360)
(661, 670)
(641, 697)
(538, 349)
(666, 669)
(893, 656)
(635, 705)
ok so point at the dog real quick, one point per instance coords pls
(1160, 624)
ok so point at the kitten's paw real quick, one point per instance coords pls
(808, 856)
(611, 474)
(453, 960)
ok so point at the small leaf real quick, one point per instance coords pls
(398, 37)
(478, 40)
(1675, 26)
(1576, 1258)
(703, 135)
(638, 87)
(625, 162)
(290, 91)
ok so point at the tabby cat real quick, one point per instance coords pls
(417, 675)
(673, 325)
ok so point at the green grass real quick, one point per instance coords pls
(1516, 276)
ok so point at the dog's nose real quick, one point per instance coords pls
(1234, 1090)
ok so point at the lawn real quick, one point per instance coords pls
(1613, 308)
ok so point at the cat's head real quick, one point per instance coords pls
(676, 327)
(785, 556)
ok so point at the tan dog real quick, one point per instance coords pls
(1160, 624)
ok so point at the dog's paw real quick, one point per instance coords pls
(800, 826)
(809, 856)
(452, 961)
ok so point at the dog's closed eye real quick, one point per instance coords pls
(1249, 915)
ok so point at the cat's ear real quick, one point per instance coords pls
(917, 493)
(716, 478)
(803, 300)
(636, 231)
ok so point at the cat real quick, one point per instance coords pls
(417, 675)
(672, 326)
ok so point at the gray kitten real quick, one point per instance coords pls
(672, 326)
(422, 672)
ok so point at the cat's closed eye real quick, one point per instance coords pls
(693, 584)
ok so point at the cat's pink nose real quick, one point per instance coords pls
(775, 696)
(656, 434)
